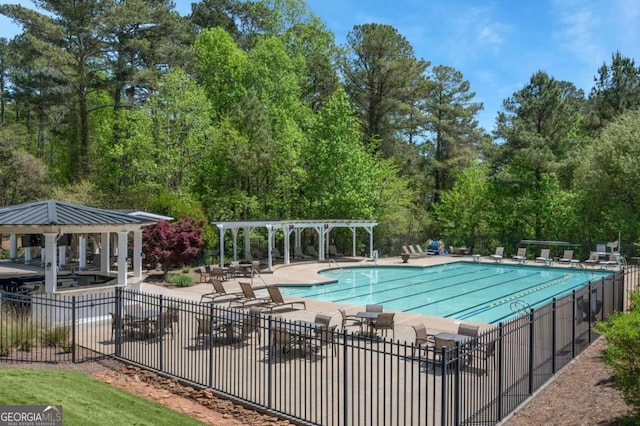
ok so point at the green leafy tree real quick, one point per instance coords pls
(463, 210)
(607, 181)
(380, 71)
(538, 130)
(616, 90)
(453, 135)
(65, 38)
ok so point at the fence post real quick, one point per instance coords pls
(73, 329)
(345, 382)
(573, 324)
(160, 331)
(118, 321)
(554, 335)
(211, 313)
(443, 402)
(531, 349)
(270, 370)
(591, 309)
(500, 360)
(456, 390)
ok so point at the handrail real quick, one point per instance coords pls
(334, 261)
(519, 306)
(256, 272)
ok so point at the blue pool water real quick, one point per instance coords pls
(478, 292)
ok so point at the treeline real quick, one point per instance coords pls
(249, 110)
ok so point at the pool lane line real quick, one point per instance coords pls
(511, 298)
(422, 283)
(428, 279)
(476, 290)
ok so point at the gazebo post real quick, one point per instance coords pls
(137, 253)
(82, 252)
(13, 246)
(50, 271)
(105, 252)
(122, 257)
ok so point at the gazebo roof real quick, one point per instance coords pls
(62, 217)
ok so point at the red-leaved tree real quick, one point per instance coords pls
(172, 244)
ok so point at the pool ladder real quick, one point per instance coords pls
(519, 306)
(336, 263)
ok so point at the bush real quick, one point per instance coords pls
(56, 336)
(179, 280)
(18, 330)
(622, 331)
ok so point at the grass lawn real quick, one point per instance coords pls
(84, 400)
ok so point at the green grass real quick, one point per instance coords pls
(84, 400)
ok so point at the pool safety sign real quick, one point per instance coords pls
(30, 415)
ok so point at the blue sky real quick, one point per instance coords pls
(497, 45)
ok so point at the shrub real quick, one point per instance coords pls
(56, 336)
(179, 280)
(18, 330)
(622, 331)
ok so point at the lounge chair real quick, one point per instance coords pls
(497, 256)
(415, 252)
(325, 336)
(298, 254)
(248, 296)
(521, 256)
(218, 291)
(312, 251)
(613, 261)
(333, 251)
(407, 252)
(204, 276)
(594, 258)
(544, 256)
(601, 249)
(567, 256)
(275, 253)
(278, 301)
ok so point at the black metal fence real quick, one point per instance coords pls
(315, 375)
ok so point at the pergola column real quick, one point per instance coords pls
(221, 229)
(137, 253)
(234, 235)
(27, 255)
(122, 257)
(105, 252)
(13, 246)
(62, 256)
(82, 252)
(270, 232)
(50, 271)
(287, 243)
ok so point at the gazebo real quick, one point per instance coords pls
(56, 219)
(323, 227)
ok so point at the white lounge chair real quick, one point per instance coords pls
(497, 256)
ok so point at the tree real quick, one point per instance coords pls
(607, 181)
(66, 40)
(538, 130)
(616, 90)
(452, 130)
(172, 244)
(380, 71)
(464, 210)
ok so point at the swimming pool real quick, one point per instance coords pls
(480, 292)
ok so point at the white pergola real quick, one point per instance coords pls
(288, 227)
(53, 219)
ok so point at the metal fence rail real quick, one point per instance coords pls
(315, 376)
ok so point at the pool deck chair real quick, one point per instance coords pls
(248, 296)
(567, 256)
(415, 252)
(497, 256)
(521, 256)
(278, 301)
(298, 254)
(218, 291)
(544, 256)
(593, 259)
